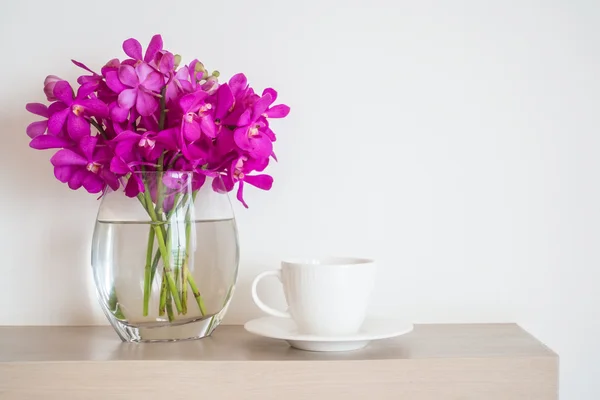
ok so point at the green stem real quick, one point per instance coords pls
(99, 127)
(169, 304)
(160, 236)
(167, 267)
(147, 272)
(163, 296)
(161, 125)
(154, 264)
(163, 109)
(190, 278)
(160, 190)
(197, 295)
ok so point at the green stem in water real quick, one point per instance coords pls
(170, 308)
(148, 270)
(163, 296)
(154, 264)
(113, 304)
(160, 236)
(197, 295)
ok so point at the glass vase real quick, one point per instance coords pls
(165, 262)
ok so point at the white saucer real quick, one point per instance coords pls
(285, 328)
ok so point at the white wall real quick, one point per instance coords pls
(455, 142)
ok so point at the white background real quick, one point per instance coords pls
(455, 142)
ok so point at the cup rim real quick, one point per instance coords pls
(327, 261)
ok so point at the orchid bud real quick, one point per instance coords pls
(211, 85)
(49, 84)
(199, 67)
(177, 60)
(216, 74)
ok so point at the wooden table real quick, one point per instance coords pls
(434, 362)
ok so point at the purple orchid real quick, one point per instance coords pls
(85, 166)
(133, 49)
(238, 173)
(139, 87)
(200, 127)
(39, 127)
(73, 111)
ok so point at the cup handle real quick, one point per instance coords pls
(258, 301)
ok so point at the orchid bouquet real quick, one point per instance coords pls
(145, 116)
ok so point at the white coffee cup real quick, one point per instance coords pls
(325, 296)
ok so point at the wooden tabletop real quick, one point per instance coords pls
(462, 361)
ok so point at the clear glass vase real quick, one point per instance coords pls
(165, 262)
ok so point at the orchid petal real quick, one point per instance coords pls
(245, 118)
(134, 186)
(37, 109)
(76, 180)
(143, 70)
(262, 105)
(95, 107)
(77, 126)
(224, 101)
(44, 142)
(238, 83)
(111, 65)
(154, 81)
(191, 131)
(240, 193)
(261, 147)
(264, 182)
(37, 128)
(85, 90)
(67, 157)
(128, 76)
(64, 172)
(93, 183)
(166, 63)
(127, 98)
(87, 146)
(269, 133)
(110, 179)
(117, 113)
(57, 121)
(240, 137)
(278, 111)
(191, 102)
(55, 107)
(127, 136)
(208, 126)
(167, 138)
(118, 166)
(83, 66)
(133, 48)
(146, 104)
(113, 82)
(155, 45)
(63, 92)
(272, 92)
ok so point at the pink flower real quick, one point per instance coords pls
(74, 111)
(133, 49)
(85, 166)
(253, 133)
(238, 173)
(139, 87)
(201, 128)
